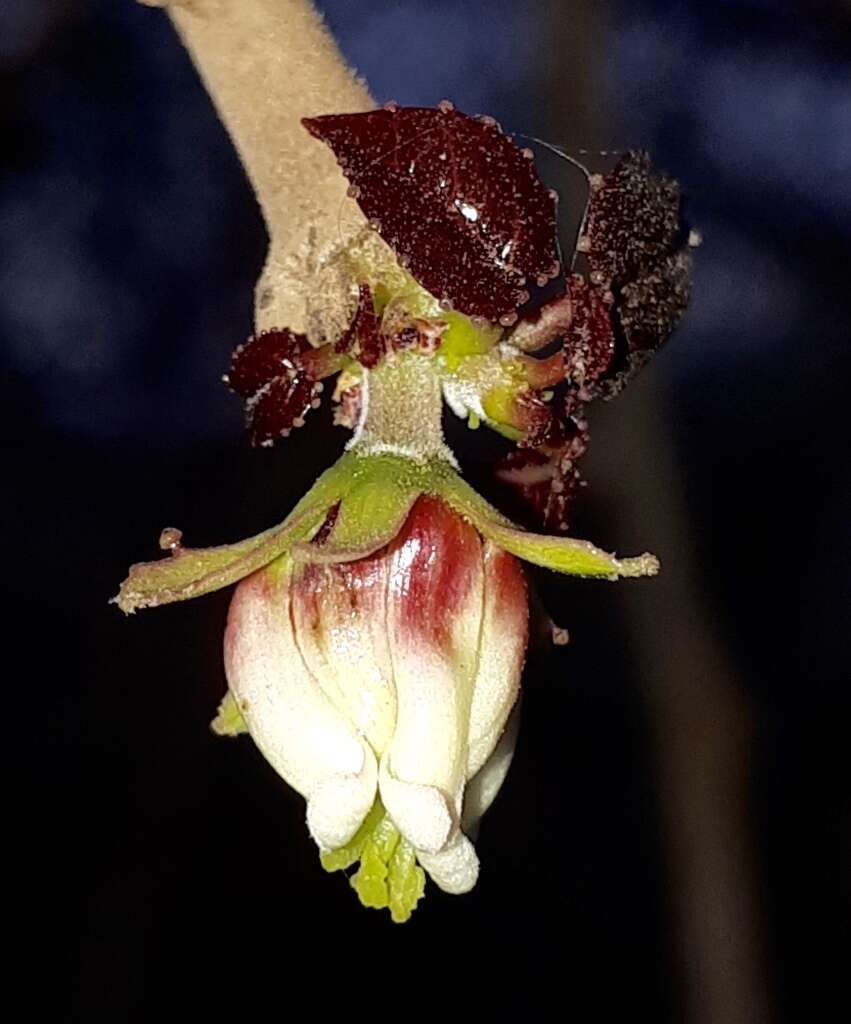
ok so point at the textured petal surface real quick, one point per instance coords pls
(455, 868)
(339, 612)
(504, 636)
(482, 789)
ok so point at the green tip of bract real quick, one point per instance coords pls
(388, 876)
(229, 720)
(641, 565)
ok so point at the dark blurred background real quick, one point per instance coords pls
(673, 841)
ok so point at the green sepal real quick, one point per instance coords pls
(190, 572)
(388, 877)
(373, 511)
(561, 554)
(229, 720)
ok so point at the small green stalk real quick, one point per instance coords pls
(401, 411)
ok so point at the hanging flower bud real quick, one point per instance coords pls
(376, 637)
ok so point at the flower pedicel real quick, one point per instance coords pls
(376, 637)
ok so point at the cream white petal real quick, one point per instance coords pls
(339, 615)
(455, 868)
(423, 814)
(481, 791)
(504, 635)
(434, 617)
(297, 728)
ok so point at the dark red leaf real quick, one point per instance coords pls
(653, 303)
(535, 419)
(279, 406)
(589, 345)
(545, 482)
(262, 358)
(460, 204)
(278, 373)
(633, 221)
(646, 311)
(640, 264)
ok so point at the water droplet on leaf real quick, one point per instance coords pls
(170, 539)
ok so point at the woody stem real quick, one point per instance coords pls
(401, 410)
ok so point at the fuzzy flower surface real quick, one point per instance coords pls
(376, 637)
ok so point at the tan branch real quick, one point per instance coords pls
(267, 64)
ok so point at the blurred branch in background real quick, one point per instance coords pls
(700, 720)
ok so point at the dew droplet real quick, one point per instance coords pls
(170, 539)
(560, 635)
(446, 303)
(467, 210)
(392, 106)
(541, 280)
(487, 120)
(446, 106)
(508, 319)
(374, 223)
(527, 153)
(553, 194)
(353, 192)
(695, 238)
(522, 296)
